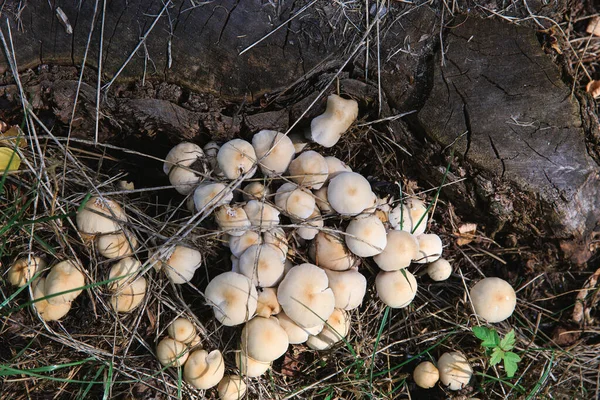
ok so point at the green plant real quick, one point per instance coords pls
(499, 350)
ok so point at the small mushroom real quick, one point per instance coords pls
(267, 303)
(327, 128)
(204, 370)
(255, 191)
(335, 166)
(232, 220)
(262, 215)
(274, 151)
(263, 264)
(493, 299)
(430, 248)
(115, 245)
(182, 330)
(231, 387)
(455, 370)
(182, 264)
(183, 179)
(396, 289)
(65, 276)
(410, 217)
(401, 248)
(23, 269)
(310, 227)
(232, 297)
(249, 366)
(211, 195)
(439, 270)
(171, 353)
(328, 250)
(349, 193)
(264, 339)
(129, 296)
(349, 288)
(48, 312)
(277, 238)
(239, 244)
(297, 203)
(426, 375)
(296, 334)
(334, 331)
(237, 157)
(100, 216)
(184, 154)
(309, 170)
(321, 199)
(366, 236)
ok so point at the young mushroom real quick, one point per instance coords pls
(255, 191)
(401, 248)
(396, 289)
(239, 244)
(455, 370)
(349, 288)
(366, 236)
(334, 331)
(274, 152)
(335, 166)
(410, 217)
(182, 330)
(181, 265)
(232, 220)
(262, 215)
(493, 299)
(267, 303)
(263, 264)
(65, 276)
(264, 339)
(327, 128)
(99, 216)
(309, 170)
(310, 227)
(430, 248)
(211, 195)
(115, 245)
(426, 375)
(296, 334)
(231, 387)
(439, 270)
(171, 353)
(328, 250)
(204, 370)
(236, 158)
(249, 366)
(23, 269)
(48, 312)
(232, 297)
(297, 203)
(130, 296)
(349, 193)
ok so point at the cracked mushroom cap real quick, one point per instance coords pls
(294, 201)
(349, 288)
(410, 217)
(249, 366)
(280, 151)
(182, 264)
(310, 227)
(366, 236)
(23, 269)
(211, 195)
(100, 216)
(255, 191)
(296, 334)
(115, 245)
(236, 158)
(264, 339)
(455, 370)
(263, 264)
(328, 128)
(204, 370)
(426, 375)
(336, 329)
(396, 289)
(430, 248)
(171, 353)
(401, 248)
(48, 312)
(231, 387)
(439, 270)
(305, 296)
(267, 302)
(328, 250)
(493, 299)
(232, 297)
(309, 170)
(182, 330)
(129, 296)
(239, 244)
(184, 154)
(262, 215)
(232, 220)
(349, 193)
(64, 276)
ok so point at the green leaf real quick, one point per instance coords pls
(497, 356)
(509, 341)
(511, 363)
(489, 337)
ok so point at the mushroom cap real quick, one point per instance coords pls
(262, 215)
(232, 297)
(310, 227)
(239, 244)
(349, 288)
(211, 149)
(426, 375)
(336, 329)
(129, 296)
(125, 270)
(439, 270)
(249, 366)
(402, 247)
(64, 276)
(305, 296)
(309, 170)
(237, 157)
(296, 334)
(255, 191)
(366, 236)
(204, 370)
(430, 248)
(182, 264)
(455, 370)
(280, 148)
(277, 238)
(23, 269)
(171, 353)
(407, 217)
(493, 299)
(184, 154)
(182, 330)
(294, 201)
(183, 179)
(211, 195)
(267, 303)
(232, 220)
(335, 166)
(328, 250)
(231, 387)
(321, 199)
(299, 141)
(48, 312)
(327, 128)
(264, 339)
(349, 193)
(100, 216)
(115, 245)
(397, 289)
(263, 264)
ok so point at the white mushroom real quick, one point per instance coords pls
(263, 264)
(327, 128)
(204, 370)
(334, 331)
(264, 339)
(366, 236)
(296, 334)
(182, 264)
(439, 270)
(294, 201)
(48, 312)
(255, 191)
(349, 288)
(349, 193)
(493, 299)
(239, 244)
(426, 375)
(329, 251)
(410, 217)
(309, 170)
(231, 387)
(171, 353)
(396, 289)
(262, 215)
(430, 248)
(211, 195)
(115, 245)
(401, 248)
(232, 297)
(249, 366)
(65, 276)
(237, 157)
(267, 303)
(455, 370)
(182, 330)
(100, 216)
(280, 151)
(23, 269)
(310, 227)
(232, 220)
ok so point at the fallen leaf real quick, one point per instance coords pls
(466, 234)
(9, 160)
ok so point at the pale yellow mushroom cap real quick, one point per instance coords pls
(184, 154)
(255, 191)
(493, 299)
(231, 387)
(455, 370)
(267, 303)
(297, 203)
(327, 128)
(237, 157)
(430, 248)
(131, 295)
(64, 276)
(439, 270)
(281, 151)
(262, 215)
(100, 216)
(263, 264)
(328, 250)
(305, 296)
(204, 370)
(277, 238)
(182, 330)
(23, 269)
(402, 247)
(249, 366)
(349, 193)
(264, 339)
(182, 264)
(396, 289)
(232, 297)
(115, 245)
(366, 236)
(125, 270)
(407, 217)
(211, 195)
(232, 220)
(48, 312)
(239, 244)
(296, 334)
(349, 288)
(171, 353)
(336, 329)
(309, 170)
(310, 227)
(426, 375)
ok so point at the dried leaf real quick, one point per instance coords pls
(9, 160)
(466, 234)
(12, 137)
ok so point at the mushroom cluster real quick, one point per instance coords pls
(453, 370)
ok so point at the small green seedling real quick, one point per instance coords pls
(499, 350)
